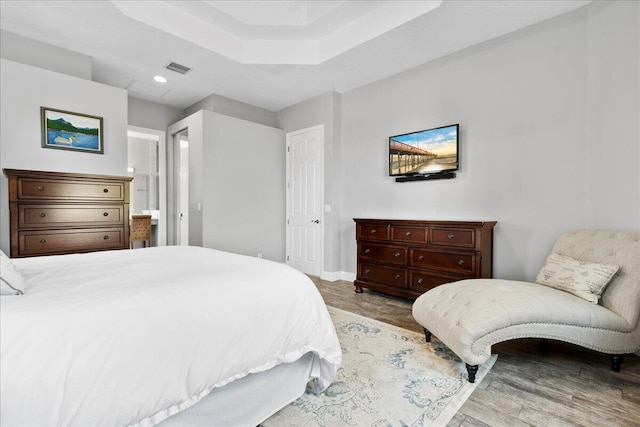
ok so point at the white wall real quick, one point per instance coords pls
(231, 107)
(613, 124)
(243, 198)
(152, 115)
(549, 136)
(43, 55)
(237, 173)
(24, 90)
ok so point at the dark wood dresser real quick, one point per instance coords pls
(406, 258)
(60, 213)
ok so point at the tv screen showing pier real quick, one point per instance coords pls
(428, 151)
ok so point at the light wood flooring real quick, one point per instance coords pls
(533, 383)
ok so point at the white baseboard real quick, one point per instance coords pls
(332, 276)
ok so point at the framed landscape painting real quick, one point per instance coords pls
(71, 131)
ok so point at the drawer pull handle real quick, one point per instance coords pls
(421, 257)
(43, 241)
(461, 262)
(451, 236)
(408, 233)
(366, 251)
(397, 276)
(106, 237)
(367, 271)
(105, 214)
(106, 190)
(373, 231)
(42, 214)
(420, 281)
(397, 254)
(40, 187)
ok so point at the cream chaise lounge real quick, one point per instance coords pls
(470, 316)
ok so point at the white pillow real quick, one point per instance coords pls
(584, 279)
(11, 282)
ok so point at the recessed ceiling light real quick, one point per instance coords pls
(160, 79)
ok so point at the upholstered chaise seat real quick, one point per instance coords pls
(469, 316)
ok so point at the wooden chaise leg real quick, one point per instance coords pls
(472, 370)
(616, 361)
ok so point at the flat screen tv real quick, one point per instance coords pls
(424, 153)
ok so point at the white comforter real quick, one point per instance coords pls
(132, 337)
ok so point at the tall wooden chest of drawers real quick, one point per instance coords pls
(406, 258)
(60, 213)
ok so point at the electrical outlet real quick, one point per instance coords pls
(259, 255)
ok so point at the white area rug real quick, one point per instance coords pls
(390, 377)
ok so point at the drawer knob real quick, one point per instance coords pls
(43, 241)
(421, 257)
(461, 262)
(106, 190)
(373, 231)
(366, 251)
(40, 187)
(451, 236)
(408, 233)
(397, 254)
(367, 271)
(105, 214)
(42, 214)
(420, 281)
(106, 237)
(397, 276)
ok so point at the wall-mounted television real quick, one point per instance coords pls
(425, 154)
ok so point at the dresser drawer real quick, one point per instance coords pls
(422, 281)
(69, 215)
(372, 232)
(396, 277)
(406, 258)
(383, 253)
(409, 234)
(64, 241)
(41, 189)
(453, 237)
(458, 262)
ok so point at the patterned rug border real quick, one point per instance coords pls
(462, 396)
(439, 416)
(371, 319)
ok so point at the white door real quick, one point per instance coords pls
(305, 199)
(182, 199)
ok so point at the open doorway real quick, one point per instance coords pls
(147, 165)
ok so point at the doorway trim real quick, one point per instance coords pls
(162, 175)
(320, 196)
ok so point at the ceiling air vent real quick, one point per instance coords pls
(178, 68)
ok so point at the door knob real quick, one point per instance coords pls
(317, 221)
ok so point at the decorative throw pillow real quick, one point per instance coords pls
(584, 279)
(11, 282)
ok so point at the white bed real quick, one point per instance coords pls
(170, 335)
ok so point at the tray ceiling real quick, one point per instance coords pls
(271, 54)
